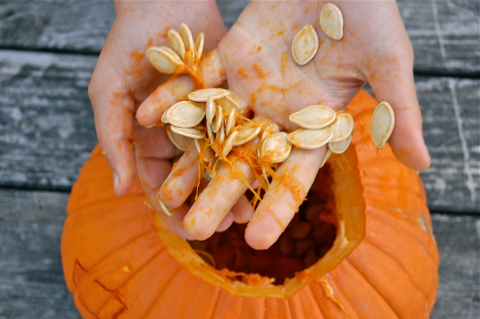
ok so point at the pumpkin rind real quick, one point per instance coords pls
(117, 267)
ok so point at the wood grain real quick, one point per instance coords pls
(47, 129)
(31, 276)
(444, 33)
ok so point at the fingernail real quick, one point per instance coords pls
(116, 182)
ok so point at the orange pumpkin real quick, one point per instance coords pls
(121, 261)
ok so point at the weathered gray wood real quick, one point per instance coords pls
(31, 276)
(458, 240)
(444, 33)
(47, 129)
(32, 284)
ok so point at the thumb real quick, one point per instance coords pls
(392, 81)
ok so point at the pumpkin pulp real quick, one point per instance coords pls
(348, 219)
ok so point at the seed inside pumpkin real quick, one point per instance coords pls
(305, 45)
(314, 117)
(382, 124)
(186, 114)
(164, 59)
(310, 139)
(331, 21)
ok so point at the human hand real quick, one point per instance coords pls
(255, 57)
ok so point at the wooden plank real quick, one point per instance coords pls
(458, 240)
(444, 33)
(31, 276)
(47, 128)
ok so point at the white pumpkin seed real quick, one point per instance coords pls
(331, 21)
(264, 135)
(305, 45)
(164, 59)
(246, 132)
(228, 145)
(164, 117)
(166, 210)
(180, 142)
(203, 94)
(186, 114)
(276, 148)
(314, 117)
(176, 43)
(218, 120)
(209, 155)
(342, 128)
(199, 144)
(310, 139)
(221, 134)
(186, 35)
(229, 103)
(230, 122)
(210, 110)
(340, 146)
(199, 45)
(188, 132)
(327, 155)
(382, 124)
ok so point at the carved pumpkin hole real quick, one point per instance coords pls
(308, 237)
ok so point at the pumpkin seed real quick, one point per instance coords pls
(167, 210)
(186, 114)
(176, 43)
(228, 145)
(164, 59)
(209, 155)
(327, 155)
(305, 45)
(199, 144)
(275, 147)
(210, 134)
(186, 35)
(203, 94)
(342, 128)
(310, 139)
(210, 110)
(180, 142)
(230, 122)
(382, 124)
(229, 103)
(246, 132)
(340, 146)
(221, 135)
(164, 117)
(199, 44)
(264, 135)
(188, 132)
(331, 21)
(218, 119)
(314, 117)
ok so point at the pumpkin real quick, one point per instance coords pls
(121, 261)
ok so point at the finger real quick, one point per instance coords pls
(393, 82)
(113, 110)
(213, 204)
(242, 211)
(182, 179)
(177, 89)
(283, 198)
(226, 223)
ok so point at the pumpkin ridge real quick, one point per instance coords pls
(105, 201)
(386, 220)
(108, 255)
(162, 291)
(373, 287)
(349, 309)
(367, 241)
(212, 310)
(162, 250)
(312, 296)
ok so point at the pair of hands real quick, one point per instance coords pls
(129, 97)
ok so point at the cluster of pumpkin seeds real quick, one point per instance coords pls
(320, 125)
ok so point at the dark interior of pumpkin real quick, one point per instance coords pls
(307, 238)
